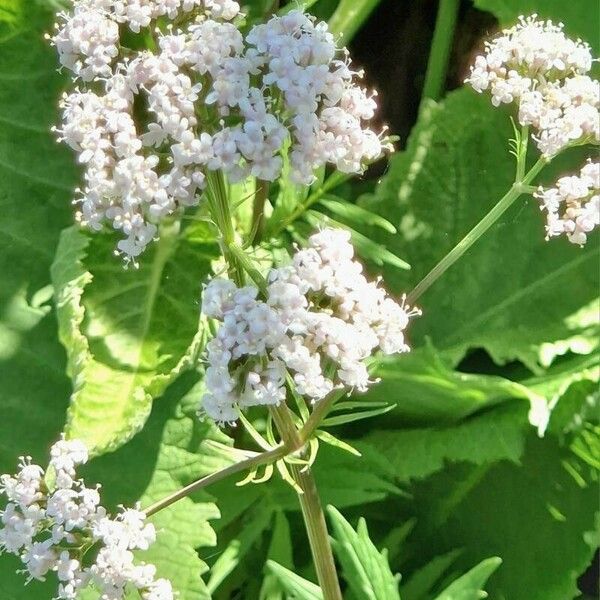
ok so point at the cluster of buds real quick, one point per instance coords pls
(56, 524)
(318, 321)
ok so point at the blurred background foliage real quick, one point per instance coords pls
(457, 472)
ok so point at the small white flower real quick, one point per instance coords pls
(535, 65)
(134, 178)
(573, 205)
(320, 311)
(39, 523)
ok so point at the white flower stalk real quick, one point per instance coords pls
(537, 67)
(572, 206)
(320, 320)
(54, 523)
(149, 125)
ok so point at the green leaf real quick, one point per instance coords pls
(513, 292)
(173, 450)
(422, 581)
(533, 515)
(298, 587)
(494, 435)
(36, 179)
(469, 586)
(356, 416)
(580, 21)
(281, 552)
(255, 522)
(127, 333)
(365, 568)
(326, 437)
(427, 391)
(355, 214)
(349, 17)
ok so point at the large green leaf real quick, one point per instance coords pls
(365, 568)
(495, 435)
(512, 292)
(533, 515)
(36, 179)
(127, 333)
(427, 391)
(581, 19)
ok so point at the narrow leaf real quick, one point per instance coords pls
(356, 214)
(468, 587)
(298, 587)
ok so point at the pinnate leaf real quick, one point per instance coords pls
(365, 568)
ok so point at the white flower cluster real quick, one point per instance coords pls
(537, 66)
(573, 205)
(150, 124)
(52, 520)
(319, 320)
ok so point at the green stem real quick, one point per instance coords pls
(258, 209)
(437, 67)
(218, 203)
(319, 412)
(312, 511)
(516, 190)
(523, 142)
(264, 458)
(330, 183)
(314, 519)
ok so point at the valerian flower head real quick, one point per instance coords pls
(149, 125)
(572, 206)
(545, 73)
(52, 520)
(319, 320)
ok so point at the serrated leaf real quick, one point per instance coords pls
(127, 333)
(412, 454)
(469, 586)
(365, 568)
(533, 516)
(298, 587)
(427, 391)
(508, 293)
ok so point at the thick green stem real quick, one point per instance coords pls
(330, 183)
(441, 45)
(312, 511)
(240, 264)
(264, 458)
(516, 190)
(218, 203)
